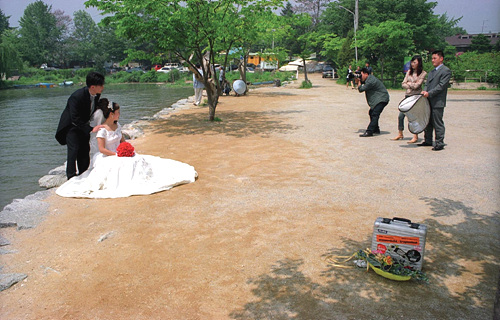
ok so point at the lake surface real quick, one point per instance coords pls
(29, 119)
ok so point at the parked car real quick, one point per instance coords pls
(136, 69)
(112, 69)
(156, 67)
(328, 72)
(165, 69)
(49, 67)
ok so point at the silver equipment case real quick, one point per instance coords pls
(403, 240)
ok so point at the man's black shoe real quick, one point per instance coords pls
(376, 131)
(437, 148)
(425, 144)
(366, 134)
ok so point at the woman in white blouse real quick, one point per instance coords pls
(413, 85)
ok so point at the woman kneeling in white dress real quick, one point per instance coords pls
(115, 176)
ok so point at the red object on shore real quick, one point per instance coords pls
(125, 149)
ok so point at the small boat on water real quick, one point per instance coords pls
(45, 85)
(23, 86)
(66, 84)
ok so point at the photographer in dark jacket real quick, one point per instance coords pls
(74, 126)
(377, 97)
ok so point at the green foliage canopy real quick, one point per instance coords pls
(186, 28)
(481, 44)
(38, 33)
(4, 22)
(390, 41)
(10, 58)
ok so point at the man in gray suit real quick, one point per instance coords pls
(436, 90)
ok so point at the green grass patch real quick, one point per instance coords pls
(306, 85)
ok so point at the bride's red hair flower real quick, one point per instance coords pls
(125, 149)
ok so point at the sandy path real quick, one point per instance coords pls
(284, 180)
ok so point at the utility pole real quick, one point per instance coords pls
(355, 17)
(482, 29)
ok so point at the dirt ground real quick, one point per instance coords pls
(284, 182)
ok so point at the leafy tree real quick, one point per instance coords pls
(303, 39)
(337, 20)
(346, 53)
(4, 22)
(9, 55)
(446, 27)
(10, 58)
(332, 44)
(428, 29)
(258, 26)
(287, 40)
(496, 47)
(287, 11)
(390, 42)
(312, 7)
(38, 33)
(63, 23)
(481, 44)
(487, 64)
(193, 30)
(111, 46)
(84, 37)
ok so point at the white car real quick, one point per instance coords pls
(165, 69)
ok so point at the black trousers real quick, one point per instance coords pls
(374, 116)
(78, 152)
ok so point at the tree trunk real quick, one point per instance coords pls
(305, 70)
(382, 69)
(209, 79)
(213, 100)
(242, 68)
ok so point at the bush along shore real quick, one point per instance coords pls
(32, 76)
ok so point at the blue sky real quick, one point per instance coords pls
(478, 15)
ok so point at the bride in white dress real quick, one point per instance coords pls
(112, 176)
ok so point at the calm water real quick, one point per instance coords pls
(29, 119)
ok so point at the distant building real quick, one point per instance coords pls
(264, 62)
(462, 42)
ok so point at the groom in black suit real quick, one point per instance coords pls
(436, 90)
(74, 126)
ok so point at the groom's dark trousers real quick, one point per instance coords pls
(78, 152)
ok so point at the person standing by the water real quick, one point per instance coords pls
(198, 85)
(74, 125)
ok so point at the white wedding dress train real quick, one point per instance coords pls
(116, 177)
